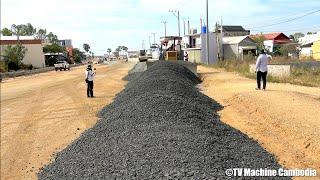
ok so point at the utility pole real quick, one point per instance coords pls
(165, 27)
(221, 31)
(201, 23)
(184, 27)
(188, 26)
(154, 38)
(149, 41)
(177, 15)
(207, 31)
(143, 46)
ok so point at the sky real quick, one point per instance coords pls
(107, 24)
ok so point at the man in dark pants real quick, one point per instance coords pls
(262, 69)
(89, 80)
(262, 75)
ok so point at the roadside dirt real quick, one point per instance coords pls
(285, 119)
(41, 114)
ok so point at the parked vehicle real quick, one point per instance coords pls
(62, 65)
(143, 56)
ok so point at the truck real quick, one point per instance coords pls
(143, 56)
(62, 65)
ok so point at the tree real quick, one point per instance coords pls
(308, 33)
(6, 32)
(13, 56)
(52, 38)
(86, 47)
(296, 36)
(41, 34)
(54, 48)
(23, 30)
(287, 49)
(109, 51)
(28, 30)
(124, 48)
(259, 39)
(78, 55)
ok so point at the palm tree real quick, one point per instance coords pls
(109, 51)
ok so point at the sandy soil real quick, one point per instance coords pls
(42, 114)
(285, 119)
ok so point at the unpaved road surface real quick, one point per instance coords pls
(285, 119)
(42, 114)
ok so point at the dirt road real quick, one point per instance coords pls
(42, 114)
(285, 119)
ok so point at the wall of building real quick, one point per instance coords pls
(34, 55)
(213, 48)
(230, 51)
(268, 44)
(316, 50)
(194, 55)
(306, 52)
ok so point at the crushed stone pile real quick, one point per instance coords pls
(159, 127)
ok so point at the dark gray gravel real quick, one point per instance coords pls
(159, 127)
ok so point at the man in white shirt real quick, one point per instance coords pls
(262, 69)
(89, 80)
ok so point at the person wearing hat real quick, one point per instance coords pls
(262, 69)
(89, 80)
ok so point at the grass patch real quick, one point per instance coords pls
(300, 75)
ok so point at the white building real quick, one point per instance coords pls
(235, 47)
(34, 54)
(306, 43)
(195, 46)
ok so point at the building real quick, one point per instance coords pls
(234, 31)
(133, 54)
(67, 44)
(310, 46)
(238, 46)
(34, 54)
(195, 45)
(273, 41)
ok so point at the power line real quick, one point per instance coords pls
(288, 20)
(300, 29)
(278, 18)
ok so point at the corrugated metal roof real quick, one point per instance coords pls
(233, 28)
(233, 40)
(309, 39)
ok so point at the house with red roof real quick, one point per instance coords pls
(273, 41)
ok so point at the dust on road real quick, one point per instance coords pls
(285, 119)
(41, 114)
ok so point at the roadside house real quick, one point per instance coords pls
(34, 54)
(310, 46)
(234, 31)
(237, 46)
(273, 41)
(195, 46)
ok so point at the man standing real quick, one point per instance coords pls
(89, 80)
(262, 69)
(186, 56)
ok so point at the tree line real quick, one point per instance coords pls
(14, 54)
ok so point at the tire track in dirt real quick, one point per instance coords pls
(284, 119)
(48, 113)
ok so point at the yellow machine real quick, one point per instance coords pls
(172, 47)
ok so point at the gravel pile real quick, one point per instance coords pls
(159, 127)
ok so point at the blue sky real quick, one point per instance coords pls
(108, 23)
